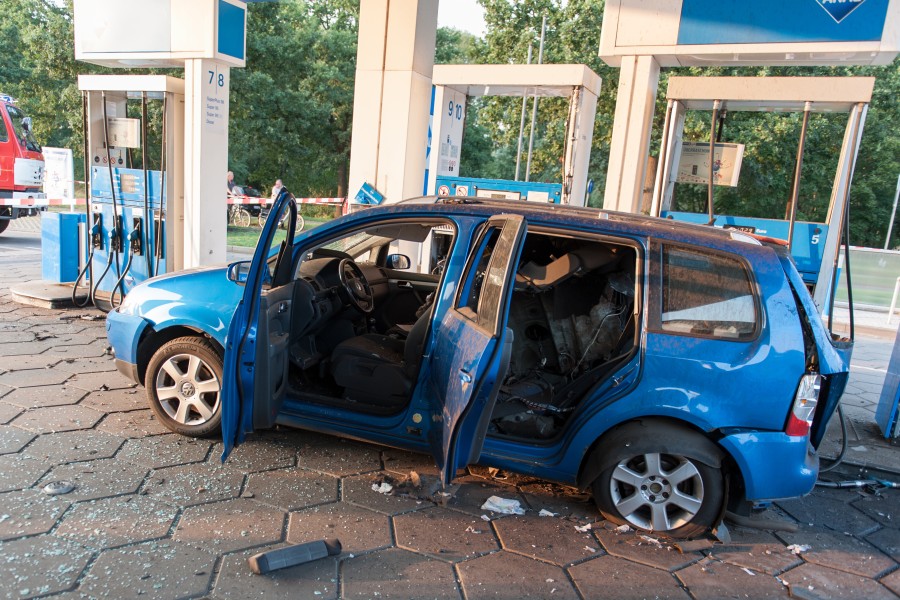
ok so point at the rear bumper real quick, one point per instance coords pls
(773, 465)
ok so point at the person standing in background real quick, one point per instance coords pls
(276, 189)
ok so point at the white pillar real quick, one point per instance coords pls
(582, 112)
(638, 82)
(206, 161)
(446, 135)
(392, 96)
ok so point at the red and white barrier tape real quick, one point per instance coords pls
(40, 202)
(264, 201)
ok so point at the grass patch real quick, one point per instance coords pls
(247, 237)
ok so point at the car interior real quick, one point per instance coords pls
(350, 329)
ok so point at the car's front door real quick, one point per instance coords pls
(256, 353)
(471, 349)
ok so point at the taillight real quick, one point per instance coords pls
(804, 409)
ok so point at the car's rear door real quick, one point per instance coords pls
(256, 357)
(471, 350)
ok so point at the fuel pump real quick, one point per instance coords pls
(134, 165)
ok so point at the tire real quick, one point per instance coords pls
(4, 223)
(243, 218)
(300, 223)
(261, 219)
(184, 386)
(669, 492)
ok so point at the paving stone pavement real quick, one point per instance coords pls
(158, 516)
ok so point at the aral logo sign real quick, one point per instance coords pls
(839, 9)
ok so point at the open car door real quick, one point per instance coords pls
(256, 348)
(472, 346)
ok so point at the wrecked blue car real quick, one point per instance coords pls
(676, 370)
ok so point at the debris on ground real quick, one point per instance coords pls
(686, 547)
(622, 529)
(293, 555)
(382, 488)
(504, 506)
(651, 540)
(799, 548)
(471, 529)
(57, 488)
(722, 534)
(496, 473)
(546, 513)
(748, 571)
(583, 528)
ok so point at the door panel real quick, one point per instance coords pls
(471, 354)
(243, 359)
(272, 358)
(406, 293)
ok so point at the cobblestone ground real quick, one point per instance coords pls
(158, 516)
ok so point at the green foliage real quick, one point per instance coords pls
(292, 107)
(39, 70)
(771, 141)
(572, 36)
(573, 26)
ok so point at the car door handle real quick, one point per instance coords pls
(404, 284)
(464, 376)
(283, 307)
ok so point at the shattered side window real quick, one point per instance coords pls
(477, 280)
(707, 295)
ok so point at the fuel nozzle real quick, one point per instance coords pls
(135, 238)
(97, 232)
(115, 236)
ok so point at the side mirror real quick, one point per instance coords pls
(26, 123)
(398, 261)
(239, 271)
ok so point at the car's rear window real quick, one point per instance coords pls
(707, 294)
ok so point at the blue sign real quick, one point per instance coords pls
(231, 30)
(839, 9)
(773, 21)
(368, 195)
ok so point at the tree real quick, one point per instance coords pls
(292, 106)
(39, 70)
(573, 29)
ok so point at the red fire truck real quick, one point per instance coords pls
(21, 164)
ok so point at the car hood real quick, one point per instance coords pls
(201, 298)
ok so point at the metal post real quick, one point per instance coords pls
(522, 124)
(534, 107)
(798, 170)
(887, 238)
(893, 301)
(712, 161)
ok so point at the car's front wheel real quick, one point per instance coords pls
(671, 491)
(184, 386)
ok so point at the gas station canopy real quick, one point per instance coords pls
(772, 94)
(516, 80)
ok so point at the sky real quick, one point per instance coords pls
(467, 15)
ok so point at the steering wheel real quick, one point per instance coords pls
(355, 286)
